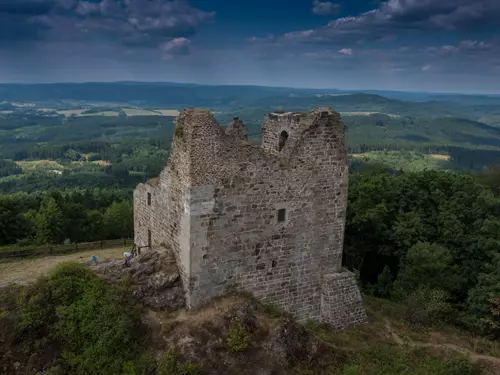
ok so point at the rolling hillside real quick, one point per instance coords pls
(178, 96)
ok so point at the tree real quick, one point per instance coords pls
(49, 223)
(119, 220)
(75, 222)
(385, 284)
(483, 301)
(13, 224)
(426, 265)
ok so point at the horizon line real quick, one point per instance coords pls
(248, 85)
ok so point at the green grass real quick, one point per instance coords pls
(370, 349)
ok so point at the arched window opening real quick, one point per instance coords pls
(283, 138)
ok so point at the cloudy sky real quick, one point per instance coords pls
(413, 45)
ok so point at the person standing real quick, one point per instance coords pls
(128, 257)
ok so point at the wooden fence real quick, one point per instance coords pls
(25, 251)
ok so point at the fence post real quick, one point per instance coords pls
(50, 249)
(76, 247)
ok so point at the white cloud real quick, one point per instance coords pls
(325, 8)
(346, 51)
(176, 47)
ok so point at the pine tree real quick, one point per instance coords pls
(49, 223)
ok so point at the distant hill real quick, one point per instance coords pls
(178, 96)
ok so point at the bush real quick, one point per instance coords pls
(425, 306)
(351, 370)
(169, 365)
(73, 320)
(93, 157)
(179, 131)
(387, 360)
(238, 338)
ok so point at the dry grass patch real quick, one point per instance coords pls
(24, 271)
(69, 112)
(37, 164)
(103, 113)
(440, 157)
(168, 112)
(359, 155)
(140, 112)
(103, 163)
(361, 113)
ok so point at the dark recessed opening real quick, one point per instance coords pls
(281, 215)
(149, 199)
(205, 256)
(283, 138)
(149, 238)
(274, 263)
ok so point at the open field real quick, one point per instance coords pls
(27, 270)
(440, 157)
(368, 114)
(39, 164)
(405, 160)
(103, 113)
(139, 112)
(128, 112)
(103, 163)
(69, 112)
(168, 112)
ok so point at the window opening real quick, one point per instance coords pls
(149, 199)
(149, 238)
(283, 138)
(281, 215)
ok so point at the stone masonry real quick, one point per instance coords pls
(266, 219)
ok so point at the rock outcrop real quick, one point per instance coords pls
(268, 344)
(153, 277)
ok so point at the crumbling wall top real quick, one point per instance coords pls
(237, 129)
(198, 122)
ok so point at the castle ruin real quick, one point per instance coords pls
(266, 219)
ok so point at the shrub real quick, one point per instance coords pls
(74, 318)
(238, 338)
(179, 130)
(169, 365)
(351, 370)
(425, 306)
(387, 360)
(272, 310)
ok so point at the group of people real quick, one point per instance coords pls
(126, 254)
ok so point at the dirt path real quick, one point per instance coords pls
(474, 357)
(26, 270)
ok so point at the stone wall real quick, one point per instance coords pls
(342, 305)
(219, 203)
(167, 218)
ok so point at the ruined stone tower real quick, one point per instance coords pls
(267, 219)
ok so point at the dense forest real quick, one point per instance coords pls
(430, 238)
(57, 216)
